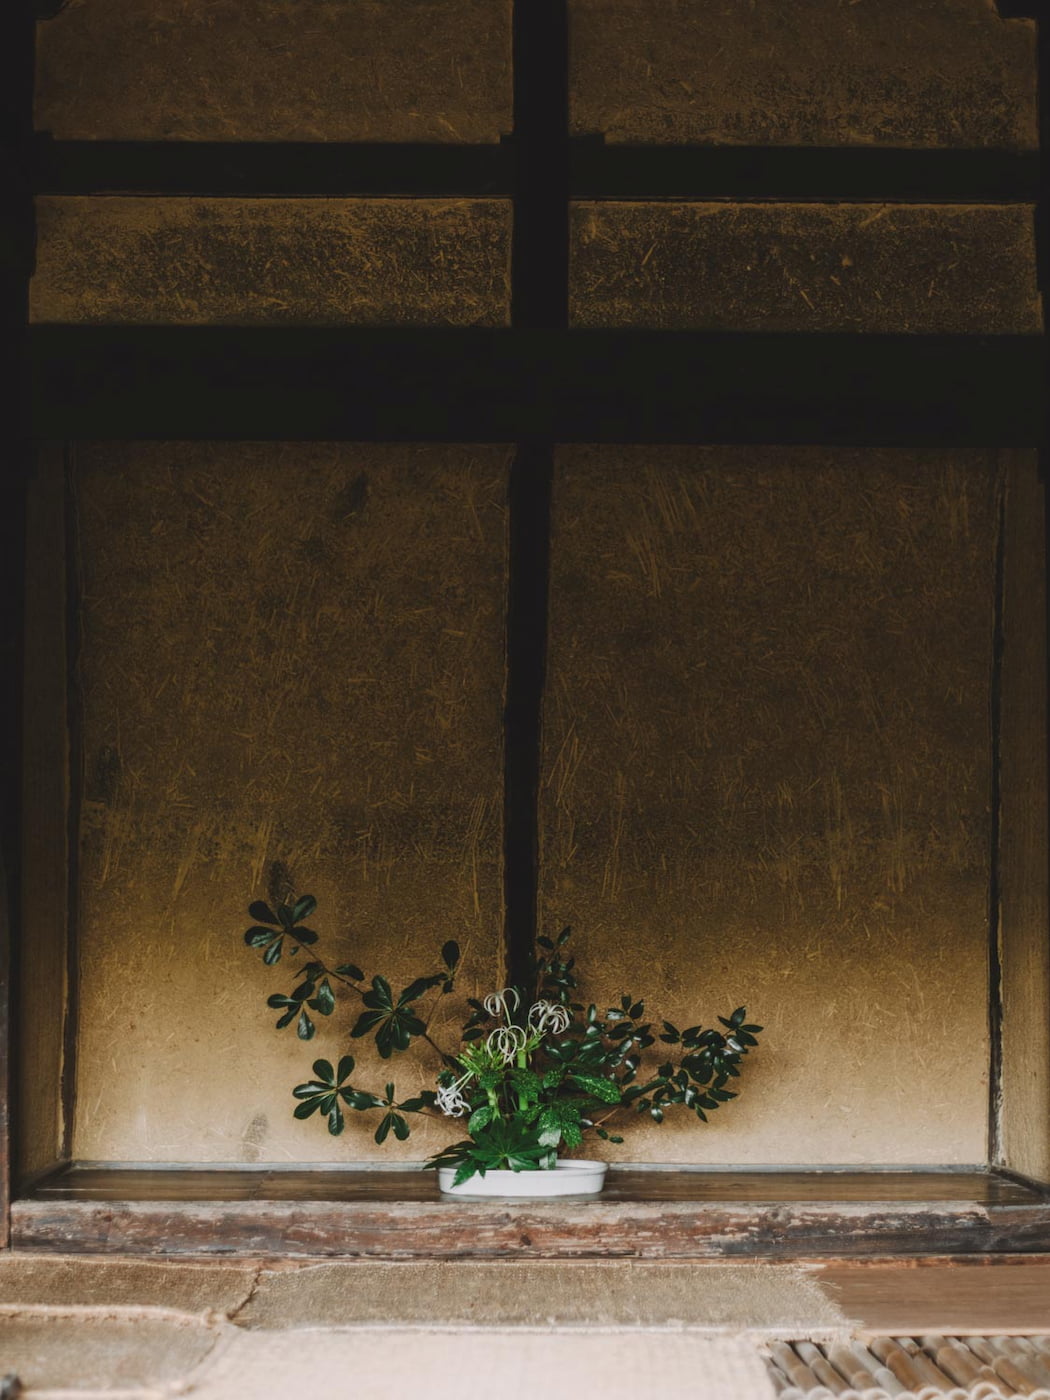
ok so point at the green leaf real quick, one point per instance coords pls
(550, 1130)
(305, 935)
(303, 907)
(604, 1089)
(261, 911)
(358, 1100)
(256, 937)
(310, 1090)
(450, 954)
(367, 1021)
(323, 1070)
(517, 1163)
(335, 1120)
(738, 1017)
(401, 1128)
(273, 952)
(346, 1066)
(284, 916)
(324, 1002)
(304, 1110)
(418, 987)
(381, 989)
(480, 1118)
(384, 1127)
(572, 1133)
(305, 1027)
(352, 971)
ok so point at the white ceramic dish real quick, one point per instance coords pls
(569, 1178)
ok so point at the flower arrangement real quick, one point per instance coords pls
(535, 1070)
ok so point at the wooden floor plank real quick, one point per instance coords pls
(965, 1297)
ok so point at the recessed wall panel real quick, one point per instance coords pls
(912, 73)
(805, 267)
(767, 781)
(291, 677)
(275, 70)
(327, 262)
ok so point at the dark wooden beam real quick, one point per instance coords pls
(539, 308)
(813, 174)
(529, 577)
(267, 168)
(995, 854)
(535, 385)
(16, 239)
(595, 171)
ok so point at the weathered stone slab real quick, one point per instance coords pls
(276, 70)
(77, 1281)
(805, 267)
(583, 1294)
(766, 781)
(125, 1353)
(271, 261)
(912, 73)
(292, 674)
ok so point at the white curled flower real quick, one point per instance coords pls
(450, 1099)
(506, 1041)
(549, 1016)
(502, 1004)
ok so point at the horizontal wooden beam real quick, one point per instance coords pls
(865, 174)
(597, 171)
(508, 385)
(265, 168)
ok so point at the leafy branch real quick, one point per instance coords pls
(536, 1069)
(392, 1019)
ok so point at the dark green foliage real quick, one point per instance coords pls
(270, 929)
(536, 1069)
(505, 1145)
(393, 1022)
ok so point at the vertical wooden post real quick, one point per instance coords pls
(16, 239)
(1021, 1109)
(12, 568)
(539, 301)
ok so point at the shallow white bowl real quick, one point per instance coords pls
(569, 1178)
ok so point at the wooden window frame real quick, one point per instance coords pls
(536, 383)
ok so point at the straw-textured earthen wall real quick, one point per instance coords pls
(767, 779)
(291, 675)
